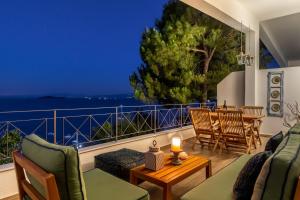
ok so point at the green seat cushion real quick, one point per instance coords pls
(284, 170)
(220, 185)
(295, 129)
(62, 161)
(101, 185)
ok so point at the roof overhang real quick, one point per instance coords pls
(270, 9)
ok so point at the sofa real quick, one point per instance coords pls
(279, 177)
(54, 173)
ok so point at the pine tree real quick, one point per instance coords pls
(184, 56)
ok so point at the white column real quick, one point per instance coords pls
(251, 71)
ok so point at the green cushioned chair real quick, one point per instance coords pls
(102, 185)
(281, 173)
(278, 179)
(219, 186)
(295, 129)
(54, 173)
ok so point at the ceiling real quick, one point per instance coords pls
(279, 27)
(268, 9)
(283, 33)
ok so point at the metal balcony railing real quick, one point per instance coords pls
(83, 127)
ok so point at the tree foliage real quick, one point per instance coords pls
(8, 143)
(128, 126)
(265, 57)
(184, 56)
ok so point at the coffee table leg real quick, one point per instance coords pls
(208, 170)
(133, 179)
(167, 193)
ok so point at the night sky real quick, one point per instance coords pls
(58, 47)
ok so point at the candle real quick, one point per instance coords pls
(176, 144)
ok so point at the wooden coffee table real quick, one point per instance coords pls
(170, 174)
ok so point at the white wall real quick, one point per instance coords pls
(8, 183)
(227, 89)
(232, 89)
(293, 63)
(291, 94)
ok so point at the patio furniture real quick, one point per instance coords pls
(246, 117)
(170, 174)
(254, 110)
(282, 182)
(234, 132)
(206, 130)
(54, 173)
(219, 107)
(119, 163)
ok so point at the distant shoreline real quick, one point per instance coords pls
(51, 97)
(103, 96)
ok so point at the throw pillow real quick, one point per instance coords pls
(244, 185)
(274, 141)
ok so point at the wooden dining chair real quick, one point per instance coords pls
(206, 130)
(255, 110)
(227, 108)
(234, 132)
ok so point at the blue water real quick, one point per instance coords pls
(20, 104)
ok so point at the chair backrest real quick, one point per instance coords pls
(61, 161)
(227, 107)
(45, 179)
(201, 118)
(252, 110)
(231, 123)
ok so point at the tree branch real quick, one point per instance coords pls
(199, 50)
(211, 54)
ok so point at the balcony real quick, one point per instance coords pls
(94, 131)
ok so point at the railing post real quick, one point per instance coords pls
(116, 136)
(54, 126)
(7, 130)
(63, 130)
(46, 124)
(155, 119)
(90, 127)
(181, 116)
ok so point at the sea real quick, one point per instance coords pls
(61, 102)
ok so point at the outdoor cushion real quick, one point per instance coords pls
(119, 163)
(62, 161)
(220, 185)
(273, 142)
(244, 185)
(101, 185)
(278, 178)
(295, 129)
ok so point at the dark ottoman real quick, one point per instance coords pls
(119, 162)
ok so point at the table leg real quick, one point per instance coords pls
(167, 193)
(133, 179)
(208, 169)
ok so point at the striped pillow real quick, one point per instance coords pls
(279, 175)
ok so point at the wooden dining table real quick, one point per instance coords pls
(246, 117)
